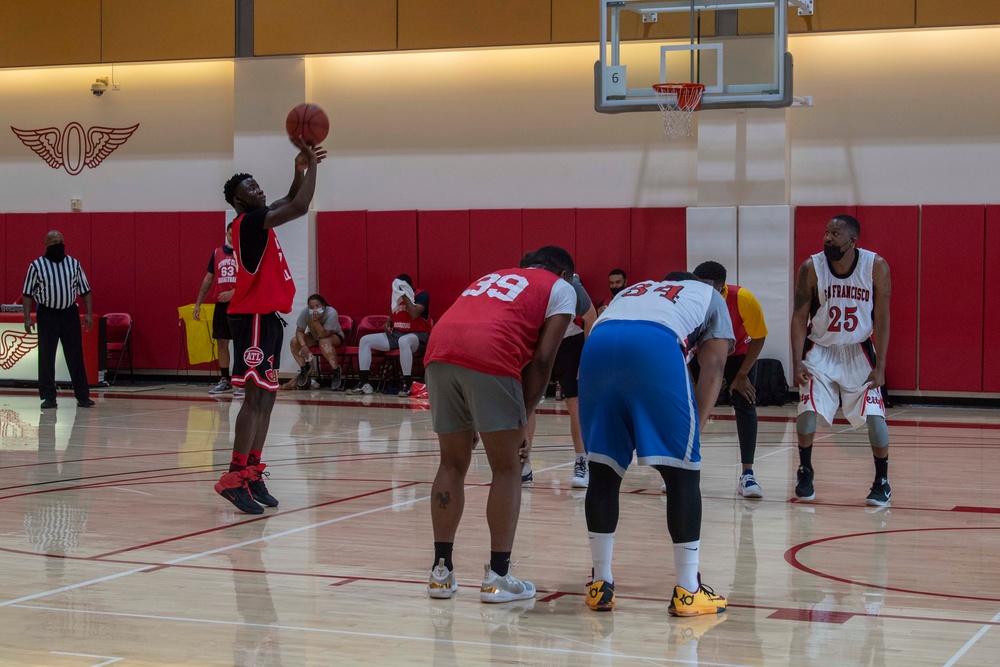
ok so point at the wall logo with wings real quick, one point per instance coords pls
(73, 148)
(14, 345)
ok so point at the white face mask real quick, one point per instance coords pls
(318, 311)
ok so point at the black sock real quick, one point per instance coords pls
(363, 375)
(225, 374)
(805, 456)
(443, 550)
(881, 467)
(407, 381)
(500, 562)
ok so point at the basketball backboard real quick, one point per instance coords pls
(737, 48)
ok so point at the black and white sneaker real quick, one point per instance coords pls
(804, 487)
(338, 379)
(880, 493)
(581, 473)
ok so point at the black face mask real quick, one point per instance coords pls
(616, 290)
(835, 253)
(56, 252)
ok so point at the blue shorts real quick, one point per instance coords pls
(636, 395)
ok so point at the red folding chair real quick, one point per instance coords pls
(119, 332)
(349, 354)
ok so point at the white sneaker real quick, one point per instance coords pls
(442, 584)
(527, 478)
(749, 488)
(222, 388)
(366, 388)
(239, 391)
(504, 589)
(581, 473)
(663, 487)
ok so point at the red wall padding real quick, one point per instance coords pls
(659, 243)
(603, 243)
(443, 256)
(892, 232)
(75, 228)
(991, 317)
(548, 226)
(25, 243)
(392, 250)
(342, 261)
(157, 290)
(494, 241)
(951, 298)
(112, 270)
(810, 225)
(5, 296)
(201, 233)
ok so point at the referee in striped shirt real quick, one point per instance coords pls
(54, 281)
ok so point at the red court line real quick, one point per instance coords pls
(238, 523)
(791, 557)
(812, 616)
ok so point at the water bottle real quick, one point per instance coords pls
(559, 395)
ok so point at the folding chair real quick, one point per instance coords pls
(119, 341)
(391, 369)
(349, 354)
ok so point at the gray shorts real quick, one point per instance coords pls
(461, 399)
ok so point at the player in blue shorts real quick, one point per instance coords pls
(636, 396)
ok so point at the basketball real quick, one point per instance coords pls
(309, 121)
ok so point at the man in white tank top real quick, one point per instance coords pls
(840, 335)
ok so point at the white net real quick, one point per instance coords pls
(678, 102)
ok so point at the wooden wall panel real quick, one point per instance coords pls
(575, 21)
(426, 24)
(54, 32)
(175, 30)
(323, 26)
(949, 12)
(834, 15)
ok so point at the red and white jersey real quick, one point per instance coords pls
(224, 271)
(270, 288)
(692, 310)
(493, 327)
(846, 304)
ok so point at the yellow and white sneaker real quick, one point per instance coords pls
(442, 584)
(703, 601)
(508, 588)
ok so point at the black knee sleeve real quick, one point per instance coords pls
(602, 498)
(683, 503)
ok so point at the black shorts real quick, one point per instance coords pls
(256, 349)
(567, 365)
(220, 322)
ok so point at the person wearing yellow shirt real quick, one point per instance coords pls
(741, 366)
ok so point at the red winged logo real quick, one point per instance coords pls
(14, 345)
(72, 149)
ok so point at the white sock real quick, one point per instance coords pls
(686, 564)
(601, 546)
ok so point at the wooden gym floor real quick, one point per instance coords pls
(116, 550)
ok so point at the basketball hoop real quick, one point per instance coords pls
(678, 102)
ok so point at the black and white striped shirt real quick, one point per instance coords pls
(55, 285)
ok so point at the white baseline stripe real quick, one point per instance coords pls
(110, 659)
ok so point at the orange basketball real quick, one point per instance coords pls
(309, 121)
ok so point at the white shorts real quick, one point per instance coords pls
(839, 375)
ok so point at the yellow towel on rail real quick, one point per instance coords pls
(198, 334)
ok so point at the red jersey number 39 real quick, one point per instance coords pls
(505, 288)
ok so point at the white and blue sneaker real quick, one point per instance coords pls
(749, 488)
